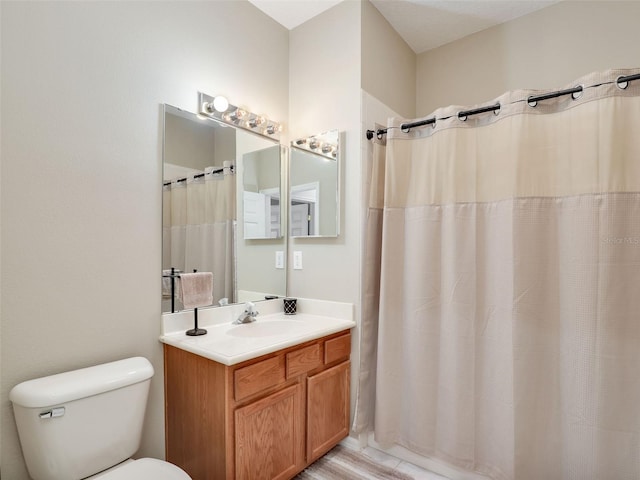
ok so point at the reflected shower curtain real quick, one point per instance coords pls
(508, 334)
(199, 228)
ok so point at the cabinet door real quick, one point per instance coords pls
(327, 410)
(269, 436)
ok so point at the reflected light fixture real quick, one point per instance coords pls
(319, 145)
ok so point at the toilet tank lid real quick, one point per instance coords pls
(85, 382)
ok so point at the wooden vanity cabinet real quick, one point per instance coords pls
(264, 419)
(327, 417)
(269, 436)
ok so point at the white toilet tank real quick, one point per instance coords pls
(76, 424)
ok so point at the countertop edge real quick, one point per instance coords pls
(182, 343)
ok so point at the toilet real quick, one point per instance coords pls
(87, 423)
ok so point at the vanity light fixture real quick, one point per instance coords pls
(255, 120)
(235, 115)
(273, 128)
(319, 145)
(220, 103)
(219, 108)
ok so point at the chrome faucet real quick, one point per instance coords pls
(249, 314)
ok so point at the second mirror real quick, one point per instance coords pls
(314, 192)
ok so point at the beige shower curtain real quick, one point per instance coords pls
(199, 228)
(506, 251)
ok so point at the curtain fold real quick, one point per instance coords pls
(372, 249)
(506, 248)
(199, 229)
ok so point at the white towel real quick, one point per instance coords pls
(195, 289)
(166, 284)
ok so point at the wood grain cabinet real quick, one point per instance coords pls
(263, 419)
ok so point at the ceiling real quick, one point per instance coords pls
(423, 24)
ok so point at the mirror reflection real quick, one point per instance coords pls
(314, 207)
(261, 193)
(204, 163)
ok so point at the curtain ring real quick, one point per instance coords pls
(532, 103)
(379, 134)
(462, 118)
(497, 110)
(621, 85)
(577, 95)
(404, 129)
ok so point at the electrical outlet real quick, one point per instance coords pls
(297, 260)
(279, 259)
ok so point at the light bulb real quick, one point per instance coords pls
(256, 121)
(235, 115)
(273, 128)
(220, 104)
(313, 144)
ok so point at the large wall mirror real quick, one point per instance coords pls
(314, 186)
(221, 208)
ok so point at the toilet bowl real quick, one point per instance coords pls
(87, 423)
(143, 469)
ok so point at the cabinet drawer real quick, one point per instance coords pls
(337, 348)
(303, 360)
(259, 376)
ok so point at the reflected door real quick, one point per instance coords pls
(300, 220)
(256, 211)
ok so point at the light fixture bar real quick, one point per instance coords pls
(317, 146)
(219, 109)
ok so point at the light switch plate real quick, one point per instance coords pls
(279, 259)
(297, 260)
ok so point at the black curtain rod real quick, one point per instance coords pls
(199, 175)
(622, 82)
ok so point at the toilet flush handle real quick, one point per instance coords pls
(53, 413)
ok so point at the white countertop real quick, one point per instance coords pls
(231, 344)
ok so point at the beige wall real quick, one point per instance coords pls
(324, 94)
(544, 50)
(388, 63)
(81, 148)
(190, 144)
(324, 89)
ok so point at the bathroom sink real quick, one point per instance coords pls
(230, 344)
(267, 329)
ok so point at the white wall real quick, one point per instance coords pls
(544, 50)
(81, 147)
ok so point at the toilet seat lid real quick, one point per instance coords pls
(145, 469)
